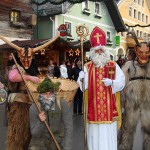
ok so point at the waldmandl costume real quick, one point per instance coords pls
(103, 78)
(137, 97)
(18, 135)
(59, 118)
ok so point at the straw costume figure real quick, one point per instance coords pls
(18, 135)
(58, 115)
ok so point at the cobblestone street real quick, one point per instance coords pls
(78, 141)
(78, 133)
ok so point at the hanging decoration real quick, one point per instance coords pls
(57, 2)
(71, 52)
(143, 26)
(77, 51)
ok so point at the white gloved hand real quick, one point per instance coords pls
(81, 75)
(107, 81)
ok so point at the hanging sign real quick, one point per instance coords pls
(117, 40)
(63, 30)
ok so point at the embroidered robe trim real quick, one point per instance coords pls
(101, 101)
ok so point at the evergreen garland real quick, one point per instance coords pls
(57, 2)
(143, 26)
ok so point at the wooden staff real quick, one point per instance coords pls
(38, 107)
(83, 32)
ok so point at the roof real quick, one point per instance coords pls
(51, 10)
(115, 15)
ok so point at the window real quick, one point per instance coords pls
(97, 8)
(85, 8)
(135, 13)
(111, 57)
(15, 16)
(141, 35)
(143, 17)
(139, 15)
(146, 19)
(139, 2)
(85, 5)
(108, 36)
(137, 33)
(68, 25)
(144, 36)
(142, 3)
(130, 11)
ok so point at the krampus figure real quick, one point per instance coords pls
(18, 135)
(137, 97)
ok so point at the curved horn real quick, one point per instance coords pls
(10, 43)
(46, 44)
(134, 37)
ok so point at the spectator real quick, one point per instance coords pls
(56, 70)
(131, 54)
(63, 70)
(50, 69)
(77, 107)
(121, 61)
(10, 61)
(1, 85)
(69, 69)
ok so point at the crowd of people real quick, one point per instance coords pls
(103, 79)
(68, 70)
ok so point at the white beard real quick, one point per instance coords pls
(100, 60)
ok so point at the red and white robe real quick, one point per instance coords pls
(102, 112)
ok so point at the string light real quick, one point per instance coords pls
(143, 26)
(77, 51)
(71, 52)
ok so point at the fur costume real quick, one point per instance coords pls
(18, 134)
(137, 104)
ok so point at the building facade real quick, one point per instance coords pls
(15, 23)
(89, 13)
(136, 16)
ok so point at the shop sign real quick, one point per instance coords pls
(63, 30)
(117, 40)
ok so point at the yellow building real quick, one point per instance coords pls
(135, 14)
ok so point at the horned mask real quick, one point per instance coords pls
(142, 53)
(142, 50)
(26, 53)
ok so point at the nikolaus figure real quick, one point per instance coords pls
(136, 95)
(18, 134)
(102, 79)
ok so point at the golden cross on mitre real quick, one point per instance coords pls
(97, 36)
